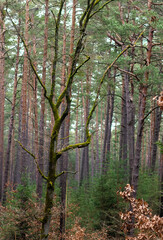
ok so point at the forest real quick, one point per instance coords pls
(81, 137)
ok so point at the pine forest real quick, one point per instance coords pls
(81, 137)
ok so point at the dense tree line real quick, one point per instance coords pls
(79, 89)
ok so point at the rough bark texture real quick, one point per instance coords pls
(123, 133)
(161, 181)
(85, 154)
(2, 94)
(63, 134)
(24, 97)
(11, 126)
(107, 133)
(36, 139)
(151, 130)
(142, 106)
(156, 132)
(42, 114)
(130, 124)
(17, 170)
(77, 161)
(110, 119)
(97, 166)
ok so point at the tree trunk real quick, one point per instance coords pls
(17, 169)
(152, 123)
(97, 168)
(36, 139)
(93, 159)
(77, 161)
(123, 132)
(85, 154)
(157, 124)
(142, 105)
(2, 94)
(11, 126)
(130, 124)
(106, 130)
(161, 180)
(24, 98)
(110, 118)
(42, 114)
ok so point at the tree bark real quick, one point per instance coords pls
(123, 132)
(85, 153)
(42, 114)
(130, 124)
(103, 160)
(77, 161)
(63, 141)
(24, 98)
(97, 165)
(161, 180)
(157, 124)
(2, 94)
(11, 126)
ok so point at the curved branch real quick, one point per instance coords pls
(60, 174)
(69, 81)
(32, 155)
(129, 73)
(100, 7)
(73, 146)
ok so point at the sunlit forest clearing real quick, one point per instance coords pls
(81, 101)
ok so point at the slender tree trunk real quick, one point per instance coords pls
(103, 160)
(17, 171)
(63, 179)
(130, 124)
(93, 158)
(11, 126)
(157, 124)
(101, 135)
(161, 181)
(36, 139)
(24, 98)
(77, 162)
(2, 94)
(142, 105)
(123, 132)
(97, 169)
(152, 123)
(64, 136)
(110, 118)
(42, 114)
(85, 153)
(12, 157)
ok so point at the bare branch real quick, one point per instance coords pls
(63, 172)
(73, 146)
(114, 39)
(69, 81)
(149, 113)
(129, 73)
(100, 7)
(32, 155)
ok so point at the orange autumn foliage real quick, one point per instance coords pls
(148, 226)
